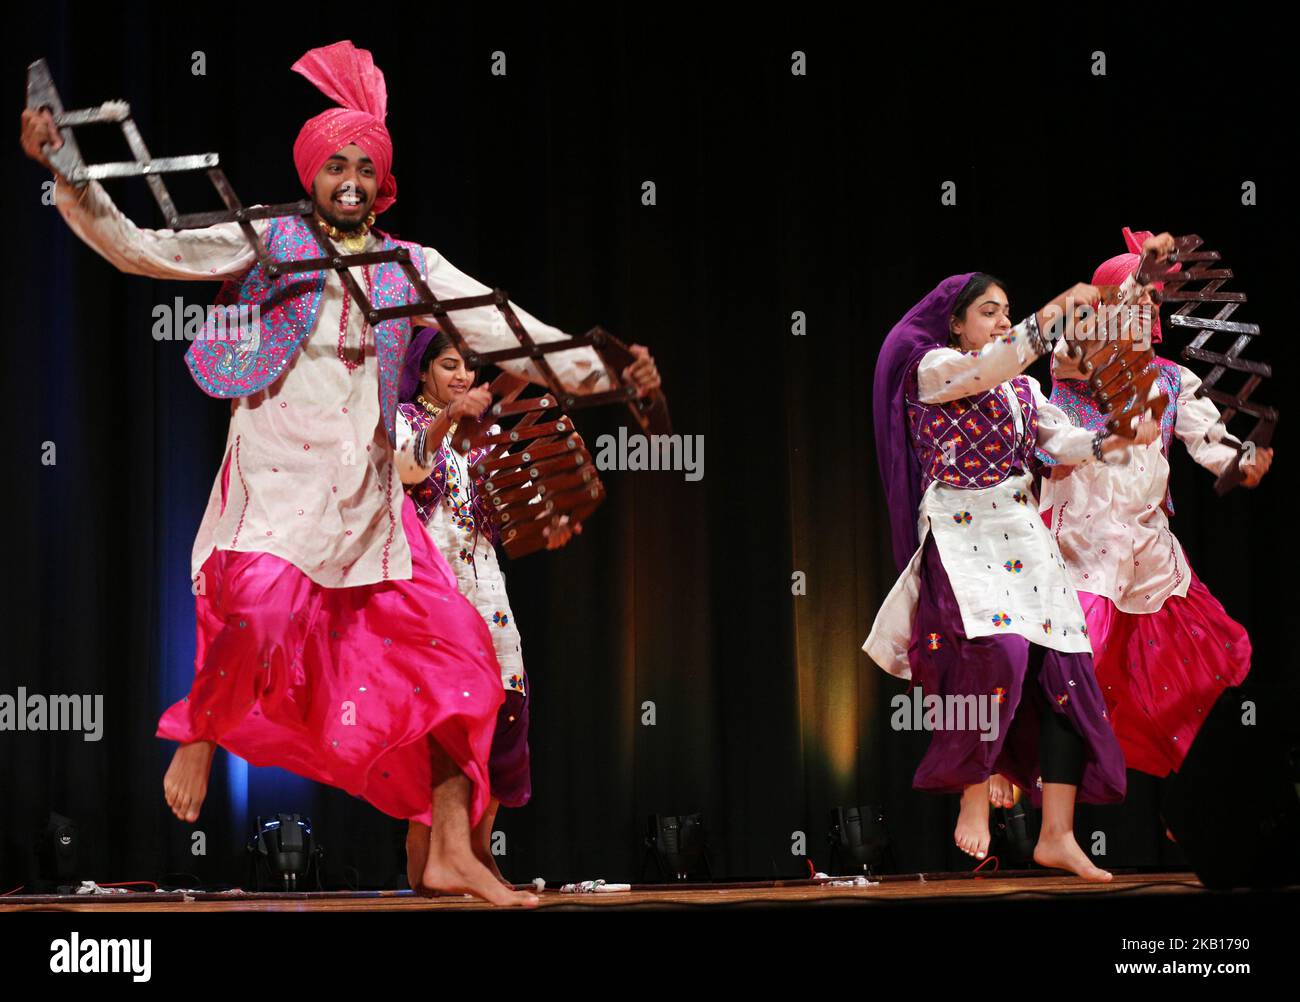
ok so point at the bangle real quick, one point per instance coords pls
(1035, 336)
(1097, 439)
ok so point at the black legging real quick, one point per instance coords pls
(1060, 748)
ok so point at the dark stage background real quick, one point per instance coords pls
(776, 194)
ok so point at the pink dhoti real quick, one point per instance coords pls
(346, 686)
(1162, 672)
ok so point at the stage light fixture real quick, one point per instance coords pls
(859, 839)
(57, 847)
(284, 853)
(676, 842)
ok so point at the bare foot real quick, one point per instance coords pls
(481, 840)
(186, 782)
(484, 856)
(417, 855)
(972, 834)
(1001, 792)
(460, 872)
(1059, 851)
(452, 867)
(417, 858)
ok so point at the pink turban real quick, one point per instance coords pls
(1121, 266)
(349, 76)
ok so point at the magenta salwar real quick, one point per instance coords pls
(345, 686)
(1162, 672)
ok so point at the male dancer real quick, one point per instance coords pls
(332, 639)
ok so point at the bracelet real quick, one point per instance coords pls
(421, 457)
(1035, 336)
(1097, 439)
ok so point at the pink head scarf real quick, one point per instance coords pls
(1121, 266)
(349, 76)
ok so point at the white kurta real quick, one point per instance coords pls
(1108, 520)
(1006, 572)
(470, 553)
(311, 469)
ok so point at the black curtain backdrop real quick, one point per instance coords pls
(776, 194)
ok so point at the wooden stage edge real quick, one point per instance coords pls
(915, 889)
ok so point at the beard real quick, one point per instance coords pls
(326, 210)
(342, 225)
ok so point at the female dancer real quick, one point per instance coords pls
(436, 392)
(984, 597)
(1165, 648)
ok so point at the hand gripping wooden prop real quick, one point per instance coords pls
(1119, 370)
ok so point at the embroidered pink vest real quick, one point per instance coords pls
(978, 432)
(224, 364)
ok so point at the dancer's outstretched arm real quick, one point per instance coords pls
(220, 252)
(1197, 419)
(580, 370)
(213, 252)
(946, 374)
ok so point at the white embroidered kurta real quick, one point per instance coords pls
(311, 470)
(1006, 572)
(1108, 520)
(469, 551)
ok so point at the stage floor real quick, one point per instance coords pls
(895, 889)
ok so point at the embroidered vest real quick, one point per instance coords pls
(1072, 396)
(431, 491)
(977, 433)
(226, 364)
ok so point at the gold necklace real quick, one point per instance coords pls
(353, 241)
(433, 409)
